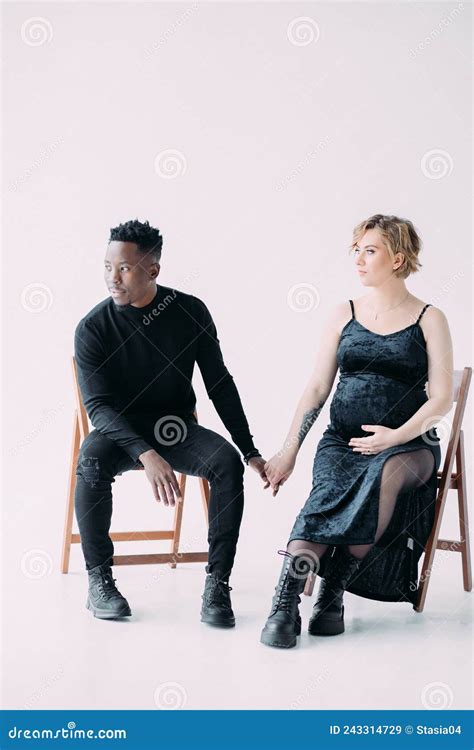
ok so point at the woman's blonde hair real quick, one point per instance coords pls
(399, 236)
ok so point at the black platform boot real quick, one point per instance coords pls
(328, 612)
(105, 600)
(216, 605)
(284, 622)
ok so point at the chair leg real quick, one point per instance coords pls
(67, 534)
(428, 557)
(309, 585)
(463, 531)
(424, 578)
(178, 518)
(463, 517)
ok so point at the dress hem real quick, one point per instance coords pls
(403, 599)
(331, 541)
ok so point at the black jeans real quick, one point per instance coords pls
(202, 453)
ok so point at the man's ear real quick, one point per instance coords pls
(154, 270)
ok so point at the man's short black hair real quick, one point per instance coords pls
(148, 239)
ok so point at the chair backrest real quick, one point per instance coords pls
(81, 410)
(461, 383)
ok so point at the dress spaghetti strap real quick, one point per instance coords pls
(352, 308)
(419, 316)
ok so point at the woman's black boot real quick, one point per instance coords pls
(284, 622)
(328, 612)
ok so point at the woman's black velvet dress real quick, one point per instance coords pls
(382, 382)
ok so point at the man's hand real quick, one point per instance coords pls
(258, 464)
(161, 476)
(278, 469)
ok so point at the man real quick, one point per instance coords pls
(135, 353)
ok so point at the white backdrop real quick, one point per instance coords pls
(255, 136)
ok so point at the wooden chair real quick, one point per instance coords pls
(449, 480)
(80, 431)
(446, 480)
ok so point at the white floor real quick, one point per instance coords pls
(59, 657)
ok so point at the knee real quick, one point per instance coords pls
(95, 458)
(426, 470)
(227, 463)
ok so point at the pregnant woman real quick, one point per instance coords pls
(371, 506)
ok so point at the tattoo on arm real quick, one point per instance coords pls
(309, 418)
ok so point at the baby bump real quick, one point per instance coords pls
(369, 398)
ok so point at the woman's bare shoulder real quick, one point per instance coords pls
(340, 314)
(433, 317)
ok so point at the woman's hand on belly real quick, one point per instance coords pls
(383, 437)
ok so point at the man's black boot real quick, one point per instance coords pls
(284, 622)
(104, 600)
(216, 605)
(328, 612)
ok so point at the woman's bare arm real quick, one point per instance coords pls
(314, 396)
(320, 382)
(440, 376)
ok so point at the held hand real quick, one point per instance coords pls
(384, 437)
(162, 478)
(278, 469)
(258, 464)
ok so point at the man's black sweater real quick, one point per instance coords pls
(135, 365)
